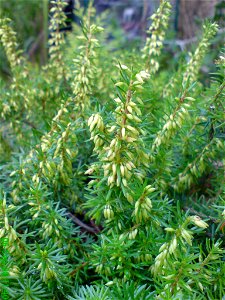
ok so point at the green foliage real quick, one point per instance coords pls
(112, 172)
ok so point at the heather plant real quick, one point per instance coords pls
(112, 181)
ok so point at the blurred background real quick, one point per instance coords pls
(128, 21)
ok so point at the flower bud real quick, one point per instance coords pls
(199, 222)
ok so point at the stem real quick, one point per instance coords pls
(78, 268)
(81, 224)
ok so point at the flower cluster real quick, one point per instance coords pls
(143, 205)
(15, 58)
(124, 153)
(157, 30)
(192, 69)
(16, 247)
(197, 167)
(56, 40)
(85, 71)
(180, 236)
(9, 41)
(172, 124)
(96, 125)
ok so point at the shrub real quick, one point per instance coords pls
(112, 169)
